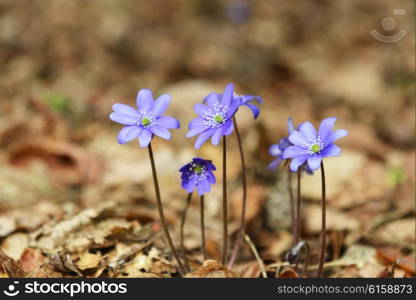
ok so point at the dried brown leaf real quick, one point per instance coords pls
(63, 263)
(32, 260)
(10, 267)
(289, 273)
(211, 269)
(88, 261)
(69, 163)
(389, 256)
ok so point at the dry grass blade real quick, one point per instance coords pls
(256, 255)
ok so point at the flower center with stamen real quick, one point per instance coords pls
(314, 146)
(215, 116)
(198, 172)
(198, 169)
(218, 119)
(146, 119)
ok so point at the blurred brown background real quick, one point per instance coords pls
(64, 63)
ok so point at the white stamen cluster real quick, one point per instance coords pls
(314, 147)
(215, 116)
(199, 172)
(146, 119)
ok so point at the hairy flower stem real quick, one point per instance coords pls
(244, 199)
(298, 216)
(224, 202)
(203, 244)
(292, 207)
(323, 225)
(161, 214)
(183, 220)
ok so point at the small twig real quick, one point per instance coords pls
(38, 269)
(256, 255)
(334, 263)
(124, 258)
(279, 266)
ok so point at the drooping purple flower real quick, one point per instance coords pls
(146, 120)
(214, 118)
(198, 175)
(277, 149)
(311, 147)
(247, 100)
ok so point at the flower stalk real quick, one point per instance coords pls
(292, 207)
(182, 230)
(241, 230)
(323, 223)
(224, 202)
(298, 204)
(161, 213)
(203, 243)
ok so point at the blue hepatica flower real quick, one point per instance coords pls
(246, 100)
(198, 174)
(146, 121)
(214, 118)
(310, 146)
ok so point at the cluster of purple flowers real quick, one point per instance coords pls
(303, 149)
(304, 146)
(215, 119)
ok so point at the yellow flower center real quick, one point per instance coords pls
(218, 118)
(315, 148)
(198, 169)
(145, 122)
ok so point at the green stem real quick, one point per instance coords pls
(224, 202)
(203, 244)
(161, 214)
(244, 199)
(183, 220)
(323, 222)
